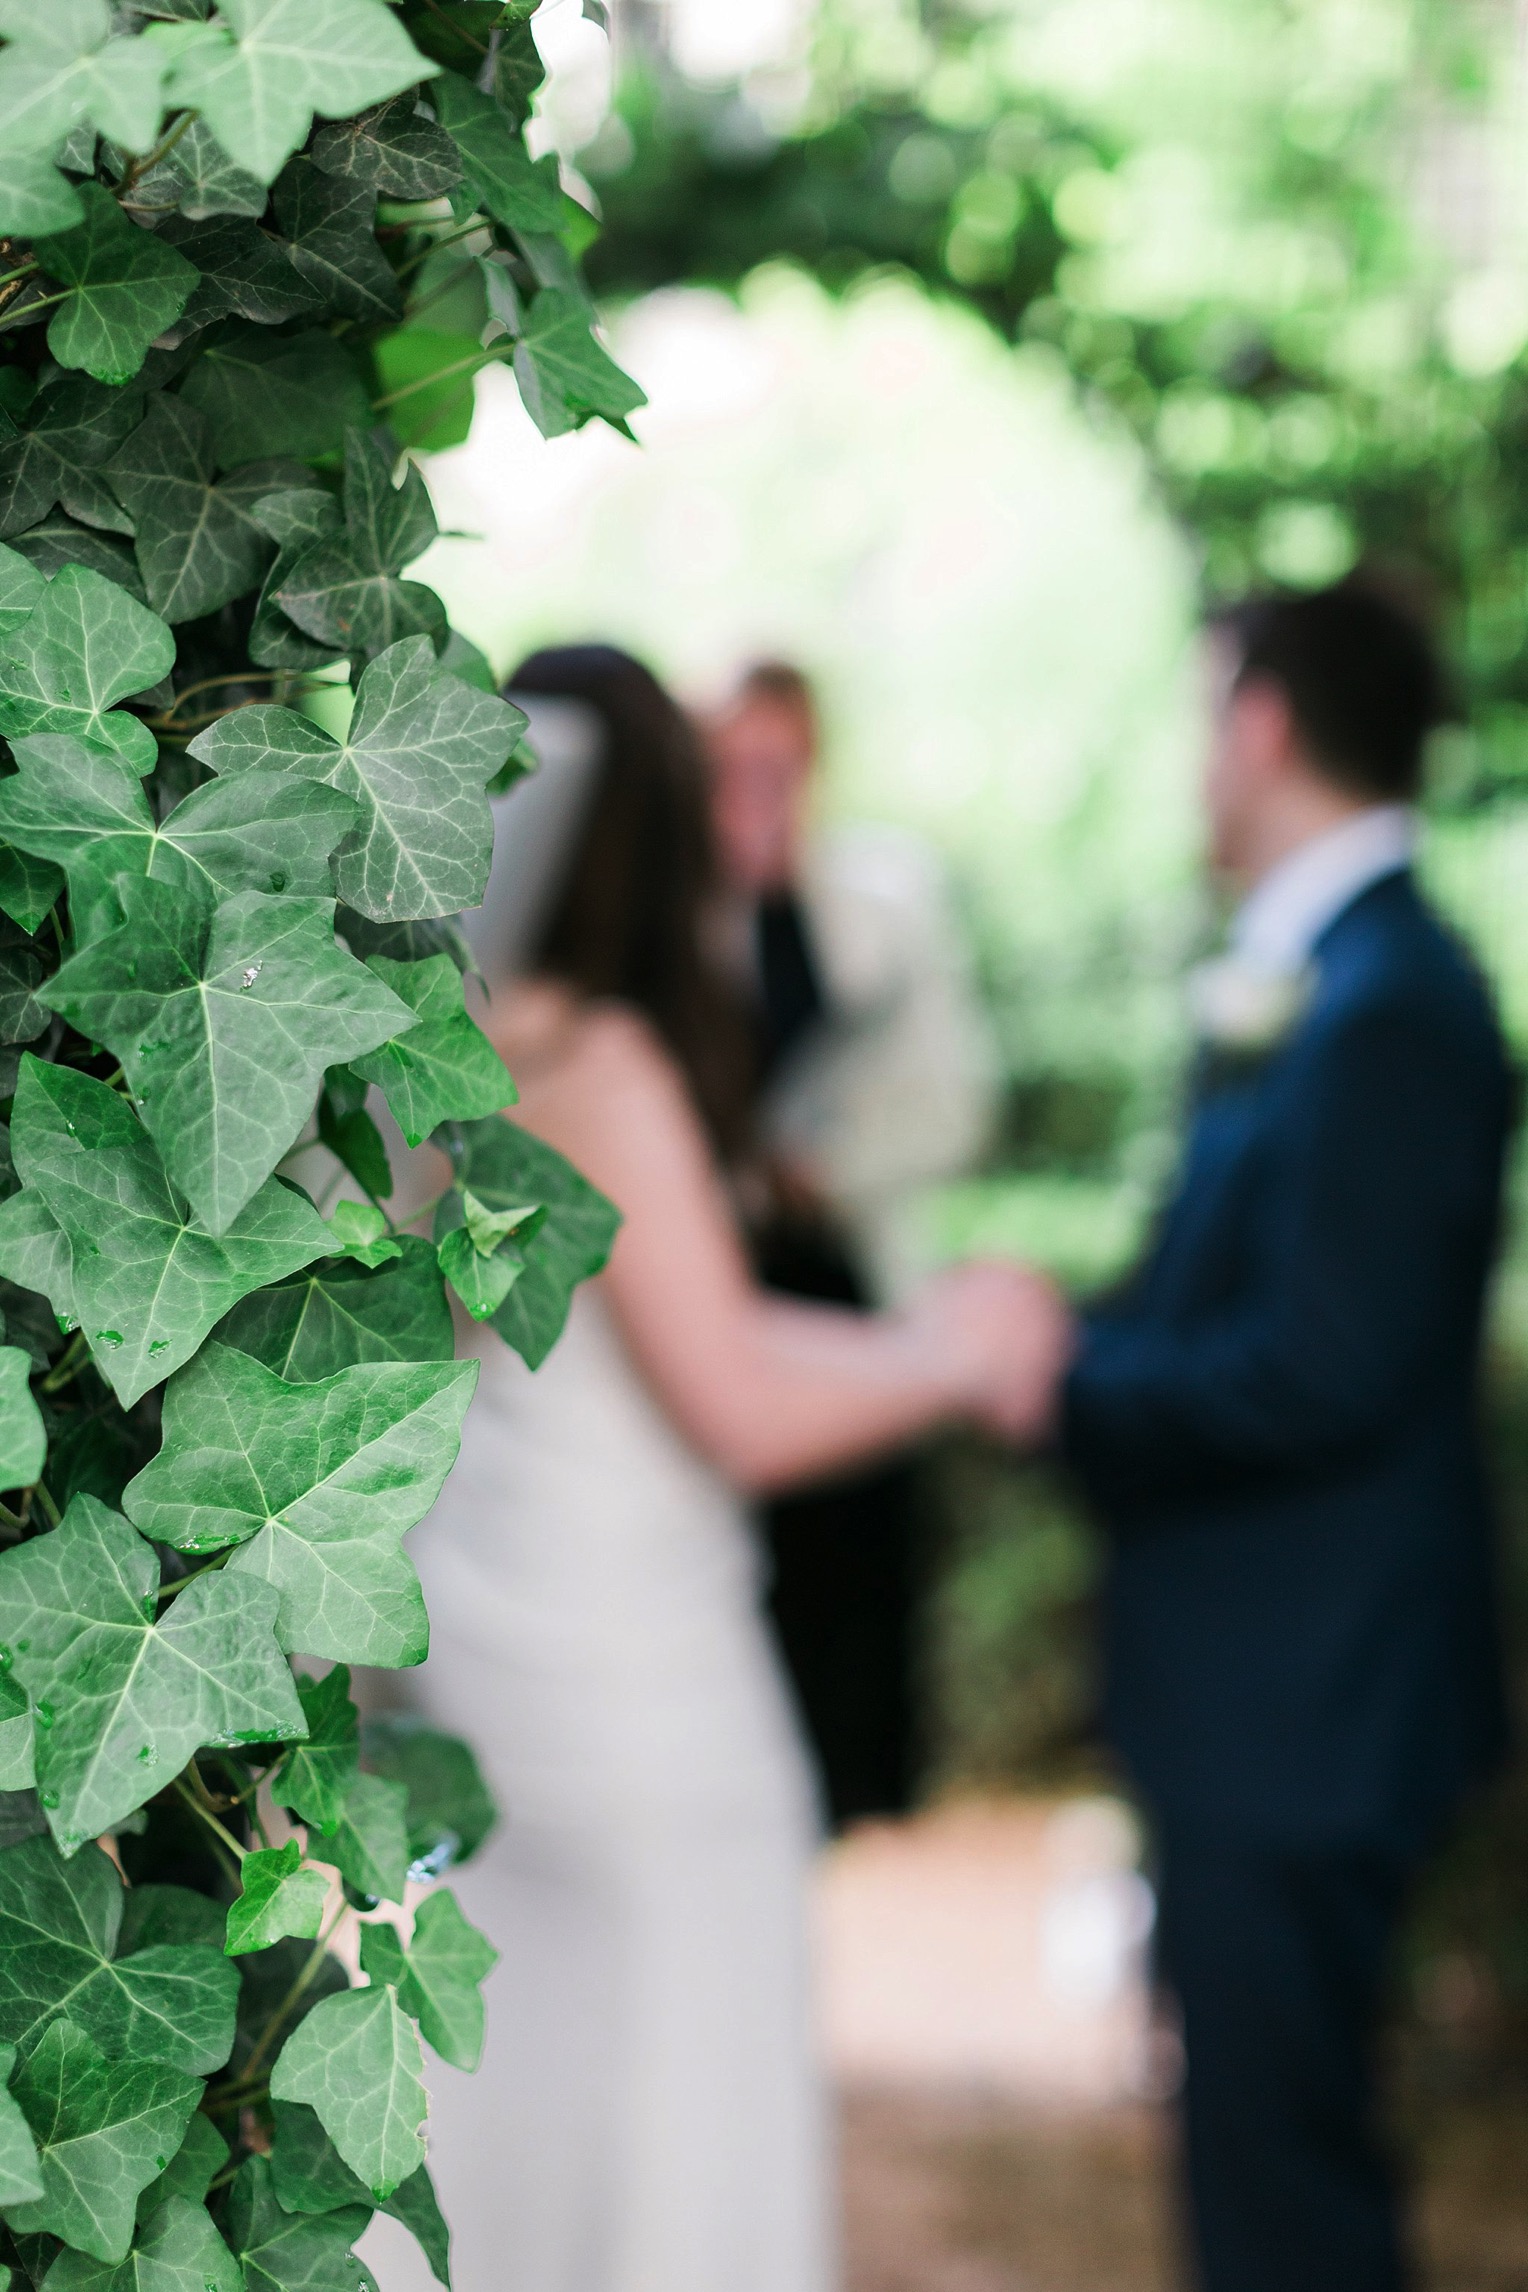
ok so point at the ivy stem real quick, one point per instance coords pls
(442, 374)
(235, 676)
(40, 1490)
(146, 165)
(304, 1981)
(208, 1817)
(412, 262)
(25, 270)
(69, 1363)
(12, 1520)
(179, 1583)
(459, 30)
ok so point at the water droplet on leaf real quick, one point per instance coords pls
(45, 1714)
(48, 1799)
(112, 1337)
(251, 974)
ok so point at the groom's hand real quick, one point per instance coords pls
(1014, 1335)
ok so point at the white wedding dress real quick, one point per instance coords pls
(647, 2117)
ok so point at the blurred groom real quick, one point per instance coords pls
(1278, 1422)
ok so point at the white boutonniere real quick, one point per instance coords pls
(1245, 1010)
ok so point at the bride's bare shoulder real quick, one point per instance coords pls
(573, 1060)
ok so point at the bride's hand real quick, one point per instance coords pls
(1006, 1336)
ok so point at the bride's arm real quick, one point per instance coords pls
(771, 1391)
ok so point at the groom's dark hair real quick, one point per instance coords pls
(1361, 676)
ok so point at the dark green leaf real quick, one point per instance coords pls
(498, 169)
(269, 393)
(426, 385)
(328, 225)
(224, 1019)
(277, 1896)
(292, 2252)
(58, 542)
(393, 149)
(443, 1069)
(123, 1698)
(338, 1312)
(293, 520)
(314, 1776)
(122, 288)
(20, 2173)
(154, 1914)
(176, 2250)
(71, 428)
(438, 1977)
(29, 888)
(505, 1166)
(23, 1441)
(481, 1281)
(565, 376)
(197, 177)
(86, 646)
(17, 1767)
(21, 587)
(195, 2165)
(259, 82)
(345, 590)
(198, 544)
(369, 1845)
(354, 1140)
(61, 1928)
(309, 2175)
(241, 272)
(355, 2061)
(275, 1995)
(316, 1484)
(449, 1810)
(104, 2130)
(413, 942)
(517, 72)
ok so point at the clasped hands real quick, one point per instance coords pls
(1007, 1337)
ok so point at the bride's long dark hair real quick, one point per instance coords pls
(639, 891)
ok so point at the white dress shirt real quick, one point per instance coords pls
(1280, 921)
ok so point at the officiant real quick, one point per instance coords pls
(877, 1079)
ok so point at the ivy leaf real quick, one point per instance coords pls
(198, 543)
(449, 1810)
(259, 82)
(188, 2175)
(518, 72)
(391, 148)
(197, 177)
(267, 393)
(122, 287)
(332, 244)
(416, 941)
(101, 2129)
(61, 1928)
(314, 1777)
(86, 646)
(100, 1233)
(86, 809)
(61, 66)
(350, 1134)
(177, 2250)
(481, 1278)
(22, 1017)
(241, 271)
(152, 1914)
(293, 520)
(123, 1698)
(224, 1019)
(500, 175)
(34, 197)
(309, 2175)
(344, 590)
(71, 428)
(278, 1896)
(565, 376)
(420, 747)
(445, 1068)
(58, 542)
(360, 1231)
(23, 1439)
(505, 1166)
(272, 1998)
(20, 2174)
(315, 1483)
(18, 1769)
(426, 377)
(437, 1976)
(369, 1846)
(355, 2060)
(21, 587)
(281, 2251)
(338, 1312)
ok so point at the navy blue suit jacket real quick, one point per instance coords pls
(1277, 1419)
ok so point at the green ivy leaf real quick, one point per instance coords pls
(480, 1280)
(293, 520)
(124, 1697)
(102, 2128)
(437, 1976)
(445, 1068)
(500, 175)
(565, 376)
(269, 393)
(315, 1483)
(330, 239)
(338, 1312)
(259, 82)
(18, 1768)
(369, 1845)
(360, 1231)
(23, 1439)
(20, 2173)
(449, 1810)
(420, 747)
(292, 2252)
(224, 1019)
(198, 543)
(190, 2172)
(21, 587)
(72, 427)
(198, 178)
(308, 2174)
(314, 1777)
(350, 1134)
(505, 1166)
(61, 1929)
(86, 646)
(177, 2250)
(122, 288)
(241, 272)
(58, 542)
(518, 72)
(345, 590)
(62, 66)
(86, 809)
(277, 1897)
(34, 198)
(355, 2060)
(391, 148)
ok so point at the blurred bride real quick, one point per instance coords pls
(648, 2116)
